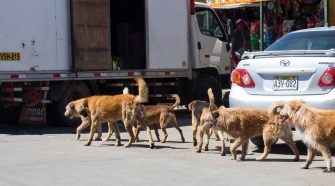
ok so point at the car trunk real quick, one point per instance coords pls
(287, 75)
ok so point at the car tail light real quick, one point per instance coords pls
(328, 78)
(242, 78)
(192, 7)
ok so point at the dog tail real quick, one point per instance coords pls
(190, 105)
(143, 91)
(212, 105)
(177, 102)
(274, 108)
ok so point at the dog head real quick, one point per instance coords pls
(70, 110)
(209, 118)
(289, 109)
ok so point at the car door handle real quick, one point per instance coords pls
(199, 45)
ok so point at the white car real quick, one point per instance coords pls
(300, 65)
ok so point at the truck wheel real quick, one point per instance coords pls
(55, 113)
(203, 83)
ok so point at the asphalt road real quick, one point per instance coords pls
(43, 155)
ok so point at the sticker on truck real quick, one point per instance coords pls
(10, 56)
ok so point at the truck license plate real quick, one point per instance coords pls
(285, 83)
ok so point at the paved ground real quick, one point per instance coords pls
(43, 155)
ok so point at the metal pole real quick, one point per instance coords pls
(325, 10)
(261, 25)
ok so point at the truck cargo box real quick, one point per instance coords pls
(37, 30)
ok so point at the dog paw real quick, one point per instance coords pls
(223, 154)
(304, 167)
(328, 170)
(97, 139)
(152, 145)
(206, 149)
(126, 145)
(78, 136)
(183, 140)
(105, 139)
(195, 143)
(118, 144)
(296, 159)
(198, 151)
(87, 144)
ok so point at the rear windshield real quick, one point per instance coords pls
(314, 40)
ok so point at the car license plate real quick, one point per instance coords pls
(285, 83)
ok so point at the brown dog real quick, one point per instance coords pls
(317, 127)
(243, 124)
(199, 109)
(163, 115)
(78, 108)
(125, 107)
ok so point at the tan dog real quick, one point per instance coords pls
(163, 115)
(125, 107)
(243, 124)
(198, 109)
(317, 127)
(78, 108)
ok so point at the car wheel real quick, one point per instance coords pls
(258, 141)
(55, 111)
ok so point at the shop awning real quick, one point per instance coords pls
(231, 4)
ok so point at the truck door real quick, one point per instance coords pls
(212, 41)
(91, 34)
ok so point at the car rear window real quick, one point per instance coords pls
(313, 40)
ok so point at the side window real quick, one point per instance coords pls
(208, 24)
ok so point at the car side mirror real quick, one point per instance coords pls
(230, 27)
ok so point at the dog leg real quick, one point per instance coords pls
(268, 141)
(99, 131)
(93, 128)
(208, 134)
(289, 141)
(238, 142)
(220, 134)
(325, 151)
(311, 153)
(175, 124)
(128, 127)
(151, 141)
(244, 149)
(85, 123)
(201, 134)
(195, 124)
(137, 130)
(117, 133)
(110, 131)
(155, 126)
(165, 133)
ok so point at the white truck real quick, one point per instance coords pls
(54, 51)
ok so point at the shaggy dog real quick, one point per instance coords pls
(163, 115)
(244, 123)
(77, 109)
(317, 127)
(125, 107)
(199, 110)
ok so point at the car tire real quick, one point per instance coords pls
(258, 141)
(55, 111)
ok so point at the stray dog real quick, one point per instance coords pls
(163, 115)
(243, 124)
(77, 109)
(198, 109)
(317, 127)
(125, 107)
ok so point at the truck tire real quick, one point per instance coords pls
(55, 111)
(203, 83)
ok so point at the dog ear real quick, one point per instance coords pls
(71, 105)
(275, 108)
(296, 105)
(215, 114)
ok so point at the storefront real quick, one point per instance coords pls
(268, 20)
